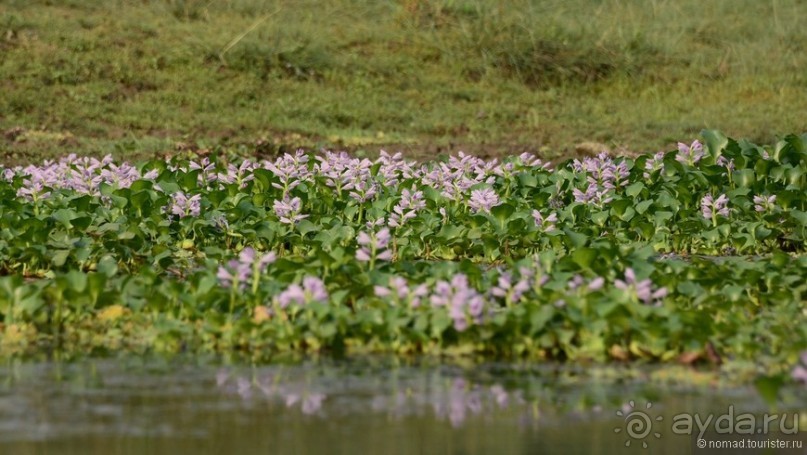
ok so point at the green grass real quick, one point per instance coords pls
(146, 77)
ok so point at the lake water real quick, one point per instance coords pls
(361, 406)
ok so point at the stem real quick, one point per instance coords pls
(232, 297)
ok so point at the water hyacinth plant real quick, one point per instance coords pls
(657, 257)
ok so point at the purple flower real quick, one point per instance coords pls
(602, 170)
(654, 164)
(411, 202)
(312, 290)
(799, 373)
(353, 175)
(529, 160)
(288, 210)
(483, 200)
(690, 154)
(181, 205)
(764, 204)
(394, 167)
(545, 224)
(592, 196)
(711, 207)
(239, 175)
(293, 294)
(455, 178)
(151, 175)
(596, 284)
(234, 272)
(247, 267)
(727, 163)
(374, 246)
(461, 301)
(399, 292)
(207, 169)
(643, 290)
(508, 291)
(33, 188)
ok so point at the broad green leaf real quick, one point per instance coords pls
(634, 189)
(584, 257)
(502, 212)
(744, 177)
(768, 388)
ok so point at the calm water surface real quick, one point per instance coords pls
(364, 406)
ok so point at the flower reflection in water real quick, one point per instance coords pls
(450, 398)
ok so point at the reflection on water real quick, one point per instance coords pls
(368, 405)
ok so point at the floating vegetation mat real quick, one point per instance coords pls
(694, 255)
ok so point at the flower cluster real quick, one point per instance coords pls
(656, 163)
(181, 205)
(291, 170)
(483, 200)
(83, 175)
(455, 178)
(596, 284)
(206, 170)
(288, 210)
(411, 202)
(593, 196)
(34, 188)
(711, 207)
(643, 290)
(690, 154)
(764, 204)
(312, 290)
(511, 293)
(249, 266)
(395, 167)
(727, 163)
(464, 303)
(240, 175)
(545, 224)
(602, 170)
(374, 246)
(400, 293)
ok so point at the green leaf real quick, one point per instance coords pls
(661, 218)
(305, 226)
(577, 240)
(451, 232)
(108, 266)
(584, 257)
(527, 180)
(77, 280)
(745, 177)
(60, 257)
(768, 388)
(715, 141)
(502, 212)
(643, 206)
(539, 316)
(634, 189)
(440, 322)
(65, 216)
(800, 217)
(599, 218)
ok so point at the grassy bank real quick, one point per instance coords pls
(138, 78)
